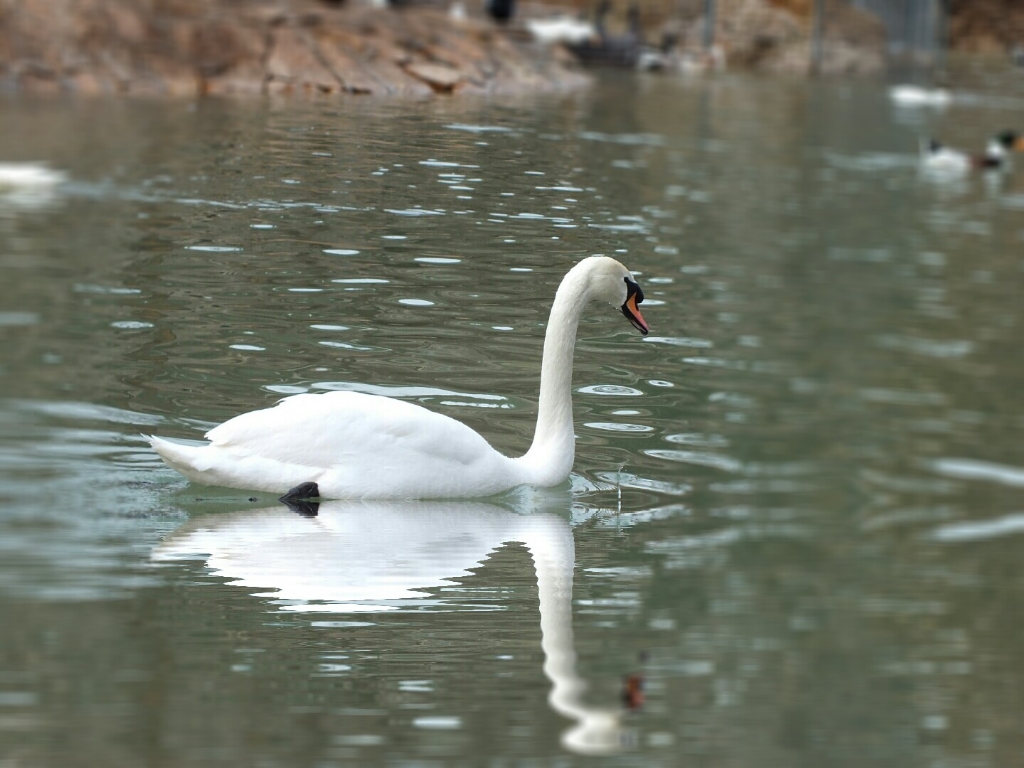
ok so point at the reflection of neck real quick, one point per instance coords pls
(550, 541)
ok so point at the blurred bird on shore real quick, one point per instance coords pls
(561, 29)
(916, 96)
(501, 10)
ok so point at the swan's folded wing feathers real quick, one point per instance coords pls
(311, 428)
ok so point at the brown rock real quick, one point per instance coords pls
(229, 58)
(440, 77)
(341, 54)
(126, 23)
(986, 26)
(293, 63)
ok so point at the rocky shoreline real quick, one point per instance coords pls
(198, 47)
(189, 47)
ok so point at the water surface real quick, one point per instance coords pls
(796, 506)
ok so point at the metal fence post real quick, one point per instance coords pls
(709, 24)
(941, 17)
(817, 32)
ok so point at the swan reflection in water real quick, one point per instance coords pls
(342, 556)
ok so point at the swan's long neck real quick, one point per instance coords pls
(551, 455)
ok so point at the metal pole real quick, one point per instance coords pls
(924, 18)
(908, 29)
(941, 15)
(817, 32)
(923, 38)
(709, 24)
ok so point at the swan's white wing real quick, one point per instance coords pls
(309, 429)
(354, 444)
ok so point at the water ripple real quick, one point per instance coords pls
(698, 458)
(616, 426)
(972, 469)
(679, 341)
(610, 389)
(980, 529)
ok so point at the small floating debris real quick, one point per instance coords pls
(130, 325)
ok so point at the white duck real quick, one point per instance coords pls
(353, 445)
(371, 556)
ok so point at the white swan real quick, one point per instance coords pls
(371, 556)
(352, 445)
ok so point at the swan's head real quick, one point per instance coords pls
(610, 281)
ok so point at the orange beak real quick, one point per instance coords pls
(632, 313)
(1019, 144)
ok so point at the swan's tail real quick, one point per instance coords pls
(212, 464)
(184, 458)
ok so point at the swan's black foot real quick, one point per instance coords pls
(302, 491)
(300, 499)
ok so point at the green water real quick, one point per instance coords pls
(796, 508)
